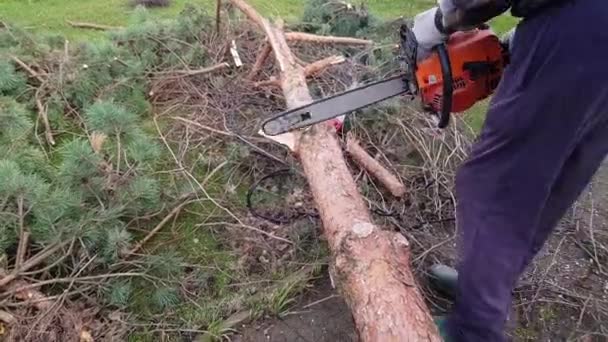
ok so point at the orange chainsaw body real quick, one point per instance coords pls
(477, 59)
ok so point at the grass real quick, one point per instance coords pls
(50, 16)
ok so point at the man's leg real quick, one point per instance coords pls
(534, 125)
(576, 175)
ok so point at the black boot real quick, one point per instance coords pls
(445, 278)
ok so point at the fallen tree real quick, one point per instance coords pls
(372, 265)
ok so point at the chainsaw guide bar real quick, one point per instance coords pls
(334, 106)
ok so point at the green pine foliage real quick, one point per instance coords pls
(165, 297)
(103, 195)
(11, 82)
(119, 293)
(15, 125)
(338, 18)
(110, 119)
(156, 44)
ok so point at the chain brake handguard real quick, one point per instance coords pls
(409, 65)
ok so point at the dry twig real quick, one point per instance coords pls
(185, 73)
(259, 62)
(93, 26)
(27, 68)
(313, 38)
(42, 112)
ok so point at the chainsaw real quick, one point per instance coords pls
(457, 74)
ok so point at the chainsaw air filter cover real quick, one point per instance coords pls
(476, 59)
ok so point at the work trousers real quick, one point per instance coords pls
(545, 135)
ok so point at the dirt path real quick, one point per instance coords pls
(562, 297)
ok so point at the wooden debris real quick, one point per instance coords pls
(374, 168)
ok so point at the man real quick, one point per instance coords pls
(545, 135)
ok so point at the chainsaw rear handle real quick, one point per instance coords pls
(448, 86)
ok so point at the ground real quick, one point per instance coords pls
(550, 302)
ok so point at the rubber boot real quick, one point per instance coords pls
(445, 279)
(442, 326)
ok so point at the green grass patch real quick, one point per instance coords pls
(51, 16)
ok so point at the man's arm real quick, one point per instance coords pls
(459, 15)
(435, 25)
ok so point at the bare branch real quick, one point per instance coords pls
(93, 26)
(313, 38)
(259, 63)
(320, 65)
(184, 73)
(371, 165)
(42, 112)
(27, 68)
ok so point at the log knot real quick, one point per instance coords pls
(363, 229)
(400, 241)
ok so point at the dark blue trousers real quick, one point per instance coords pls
(545, 136)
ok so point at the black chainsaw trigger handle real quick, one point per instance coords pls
(448, 86)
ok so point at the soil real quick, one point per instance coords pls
(320, 316)
(562, 297)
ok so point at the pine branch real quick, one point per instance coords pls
(34, 261)
(27, 68)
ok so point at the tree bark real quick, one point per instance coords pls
(372, 265)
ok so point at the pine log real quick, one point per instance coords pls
(371, 264)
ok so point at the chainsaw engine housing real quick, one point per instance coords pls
(477, 60)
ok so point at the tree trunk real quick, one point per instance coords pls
(372, 265)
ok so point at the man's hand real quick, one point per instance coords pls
(427, 33)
